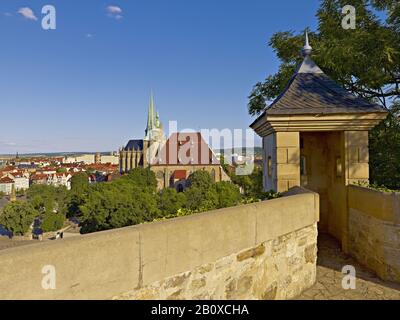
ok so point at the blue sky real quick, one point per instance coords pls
(85, 86)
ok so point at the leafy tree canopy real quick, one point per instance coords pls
(78, 193)
(47, 198)
(118, 204)
(52, 222)
(144, 178)
(200, 179)
(201, 198)
(170, 201)
(385, 151)
(80, 182)
(201, 194)
(252, 184)
(228, 194)
(18, 216)
(364, 60)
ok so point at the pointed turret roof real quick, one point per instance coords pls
(151, 118)
(311, 91)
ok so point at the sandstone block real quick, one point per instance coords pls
(288, 139)
(252, 253)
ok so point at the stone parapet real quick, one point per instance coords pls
(268, 250)
(374, 230)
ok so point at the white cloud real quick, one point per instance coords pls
(114, 12)
(88, 35)
(27, 13)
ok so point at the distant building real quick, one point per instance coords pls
(39, 178)
(111, 159)
(97, 158)
(172, 159)
(20, 178)
(6, 185)
(181, 155)
(21, 183)
(53, 179)
(85, 158)
(60, 179)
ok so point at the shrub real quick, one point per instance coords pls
(170, 201)
(228, 194)
(18, 216)
(52, 222)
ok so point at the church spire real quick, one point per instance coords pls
(151, 118)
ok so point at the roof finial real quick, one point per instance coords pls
(307, 49)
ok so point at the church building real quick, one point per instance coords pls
(172, 160)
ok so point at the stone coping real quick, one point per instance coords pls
(378, 204)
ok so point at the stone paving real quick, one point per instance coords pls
(329, 277)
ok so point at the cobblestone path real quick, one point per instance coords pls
(329, 277)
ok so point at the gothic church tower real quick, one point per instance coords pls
(142, 152)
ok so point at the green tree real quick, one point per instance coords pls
(252, 184)
(393, 10)
(365, 60)
(201, 199)
(170, 201)
(52, 221)
(118, 204)
(80, 182)
(228, 194)
(201, 194)
(78, 193)
(200, 179)
(142, 177)
(46, 198)
(385, 151)
(17, 217)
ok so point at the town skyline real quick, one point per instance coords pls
(85, 86)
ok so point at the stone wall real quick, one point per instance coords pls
(276, 269)
(265, 250)
(374, 230)
(282, 171)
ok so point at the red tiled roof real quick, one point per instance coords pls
(185, 148)
(39, 176)
(6, 180)
(16, 173)
(179, 174)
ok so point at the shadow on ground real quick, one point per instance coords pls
(330, 262)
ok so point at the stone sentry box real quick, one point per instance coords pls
(315, 135)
